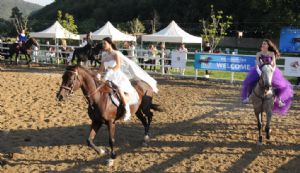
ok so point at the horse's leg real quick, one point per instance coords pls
(267, 128)
(142, 118)
(95, 126)
(16, 58)
(111, 129)
(149, 115)
(28, 59)
(259, 125)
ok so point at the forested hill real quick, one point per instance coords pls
(25, 7)
(254, 17)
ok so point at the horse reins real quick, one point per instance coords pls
(71, 88)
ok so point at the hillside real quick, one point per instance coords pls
(25, 7)
(257, 18)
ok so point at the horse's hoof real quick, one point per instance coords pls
(110, 162)
(101, 151)
(146, 138)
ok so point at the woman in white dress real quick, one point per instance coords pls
(119, 69)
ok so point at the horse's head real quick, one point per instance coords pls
(266, 76)
(97, 49)
(32, 41)
(70, 83)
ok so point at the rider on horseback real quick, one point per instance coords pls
(283, 89)
(119, 69)
(22, 38)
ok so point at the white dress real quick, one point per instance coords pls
(120, 79)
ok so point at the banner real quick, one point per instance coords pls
(292, 66)
(179, 59)
(224, 62)
(289, 39)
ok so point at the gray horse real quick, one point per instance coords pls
(263, 99)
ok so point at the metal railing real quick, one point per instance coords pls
(155, 64)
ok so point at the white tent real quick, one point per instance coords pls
(108, 30)
(172, 34)
(55, 31)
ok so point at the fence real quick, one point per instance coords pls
(159, 63)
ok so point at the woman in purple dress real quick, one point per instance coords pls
(283, 89)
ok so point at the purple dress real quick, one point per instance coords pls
(282, 87)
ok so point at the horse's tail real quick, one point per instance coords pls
(156, 107)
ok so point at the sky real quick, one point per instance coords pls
(40, 2)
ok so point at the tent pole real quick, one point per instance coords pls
(56, 47)
(163, 60)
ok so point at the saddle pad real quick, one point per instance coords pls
(133, 98)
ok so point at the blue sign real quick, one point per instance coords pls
(224, 62)
(289, 40)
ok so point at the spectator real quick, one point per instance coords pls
(164, 54)
(125, 47)
(51, 53)
(84, 42)
(47, 45)
(131, 51)
(69, 58)
(207, 49)
(64, 47)
(182, 48)
(89, 39)
(152, 52)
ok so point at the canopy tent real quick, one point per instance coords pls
(55, 31)
(172, 34)
(108, 30)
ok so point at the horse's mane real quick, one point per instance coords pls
(89, 72)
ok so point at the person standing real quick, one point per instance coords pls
(208, 50)
(182, 48)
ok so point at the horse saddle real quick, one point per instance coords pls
(114, 94)
(116, 98)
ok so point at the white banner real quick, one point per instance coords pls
(292, 66)
(179, 59)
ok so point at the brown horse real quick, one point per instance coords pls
(25, 48)
(101, 107)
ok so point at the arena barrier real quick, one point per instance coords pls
(163, 62)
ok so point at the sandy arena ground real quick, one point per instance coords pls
(204, 128)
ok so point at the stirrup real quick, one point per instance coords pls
(281, 104)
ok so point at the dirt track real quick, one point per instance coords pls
(204, 128)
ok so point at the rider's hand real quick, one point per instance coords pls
(258, 70)
(98, 76)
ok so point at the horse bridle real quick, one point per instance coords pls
(71, 88)
(260, 83)
(76, 77)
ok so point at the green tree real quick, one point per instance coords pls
(67, 21)
(214, 30)
(6, 28)
(136, 26)
(18, 20)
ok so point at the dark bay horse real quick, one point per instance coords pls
(83, 54)
(101, 108)
(262, 98)
(25, 49)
